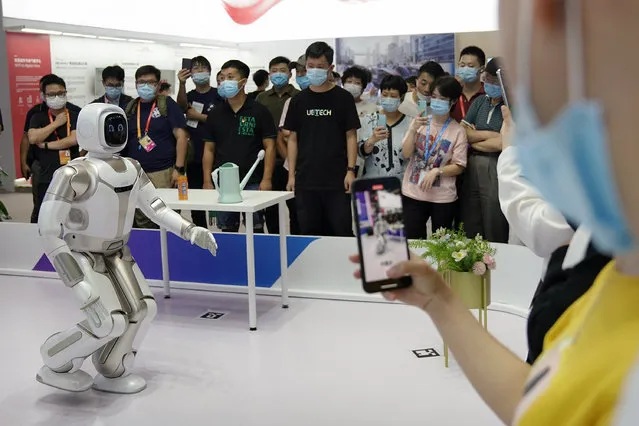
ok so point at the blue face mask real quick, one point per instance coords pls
(279, 79)
(439, 106)
(568, 160)
(492, 90)
(303, 81)
(228, 89)
(201, 77)
(146, 92)
(467, 74)
(390, 104)
(113, 92)
(317, 76)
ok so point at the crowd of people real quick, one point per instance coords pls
(439, 134)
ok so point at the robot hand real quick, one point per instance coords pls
(203, 238)
(91, 305)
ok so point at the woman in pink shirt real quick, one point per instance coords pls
(437, 148)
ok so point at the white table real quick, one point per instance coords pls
(254, 201)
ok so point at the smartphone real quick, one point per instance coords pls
(422, 106)
(503, 88)
(186, 64)
(381, 120)
(381, 236)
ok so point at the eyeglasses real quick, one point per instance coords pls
(57, 94)
(152, 83)
(118, 85)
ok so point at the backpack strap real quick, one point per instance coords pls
(131, 107)
(164, 109)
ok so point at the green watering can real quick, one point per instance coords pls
(227, 181)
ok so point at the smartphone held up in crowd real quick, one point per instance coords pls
(381, 237)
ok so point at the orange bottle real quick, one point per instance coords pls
(183, 188)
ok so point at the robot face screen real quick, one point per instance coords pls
(115, 129)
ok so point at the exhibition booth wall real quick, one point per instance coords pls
(318, 267)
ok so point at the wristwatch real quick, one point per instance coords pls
(440, 172)
(180, 170)
(352, 169)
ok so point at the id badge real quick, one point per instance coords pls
(65, 156)
(147, 143)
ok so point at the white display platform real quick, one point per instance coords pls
(320, 270)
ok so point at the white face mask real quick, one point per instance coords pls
(353, 89)
(57, 102)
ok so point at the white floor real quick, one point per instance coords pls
(376, 265)
(317, 363)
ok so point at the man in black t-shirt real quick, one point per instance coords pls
(236, 132)
(197, 104)
(52, 134)
(322, 149)
(113, 82)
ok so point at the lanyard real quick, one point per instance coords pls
(461, 104)
(437, 139)
(148, 120)
(68, 123)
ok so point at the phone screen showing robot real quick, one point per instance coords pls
(381, 236)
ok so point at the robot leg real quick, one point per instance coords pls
(64, 353)
(115, 360)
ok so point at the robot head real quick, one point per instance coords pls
(102, 129)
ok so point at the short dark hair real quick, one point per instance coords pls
(394, 82)
(279, 60)
(240, 66)
(318, 49)
(201, 60)
(432, 68)
(475, 51)
(148, 69)
(358, 72)
(114, 71)
(448, 86)
(45, 80)
(411, 80)
(54, 79)
(164, 86)
(260, 77)
(493, 65)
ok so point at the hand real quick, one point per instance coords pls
(348, 181)
(379, 134)
(419, 122)
(203, 238)
(429, 179)
(266, 185)
(507, 128)
(25, 170)
(174, 178)
(208, 184)
(192, 114)
(60, 119)
(184, 75)
(426, 281)
(290, 186)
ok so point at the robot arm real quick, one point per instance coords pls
(68, 183)
(155, 209)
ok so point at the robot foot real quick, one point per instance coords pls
(126, 385)
(79, 381)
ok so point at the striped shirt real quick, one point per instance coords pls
(484, 115)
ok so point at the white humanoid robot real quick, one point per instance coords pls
(85, 222)
(380, 229)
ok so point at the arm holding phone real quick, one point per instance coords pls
(408, 144)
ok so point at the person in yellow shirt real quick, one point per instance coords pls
(577, 145)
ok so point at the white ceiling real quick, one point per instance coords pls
(201, 21)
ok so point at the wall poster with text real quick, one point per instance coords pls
(29, 58)
(396, 55)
